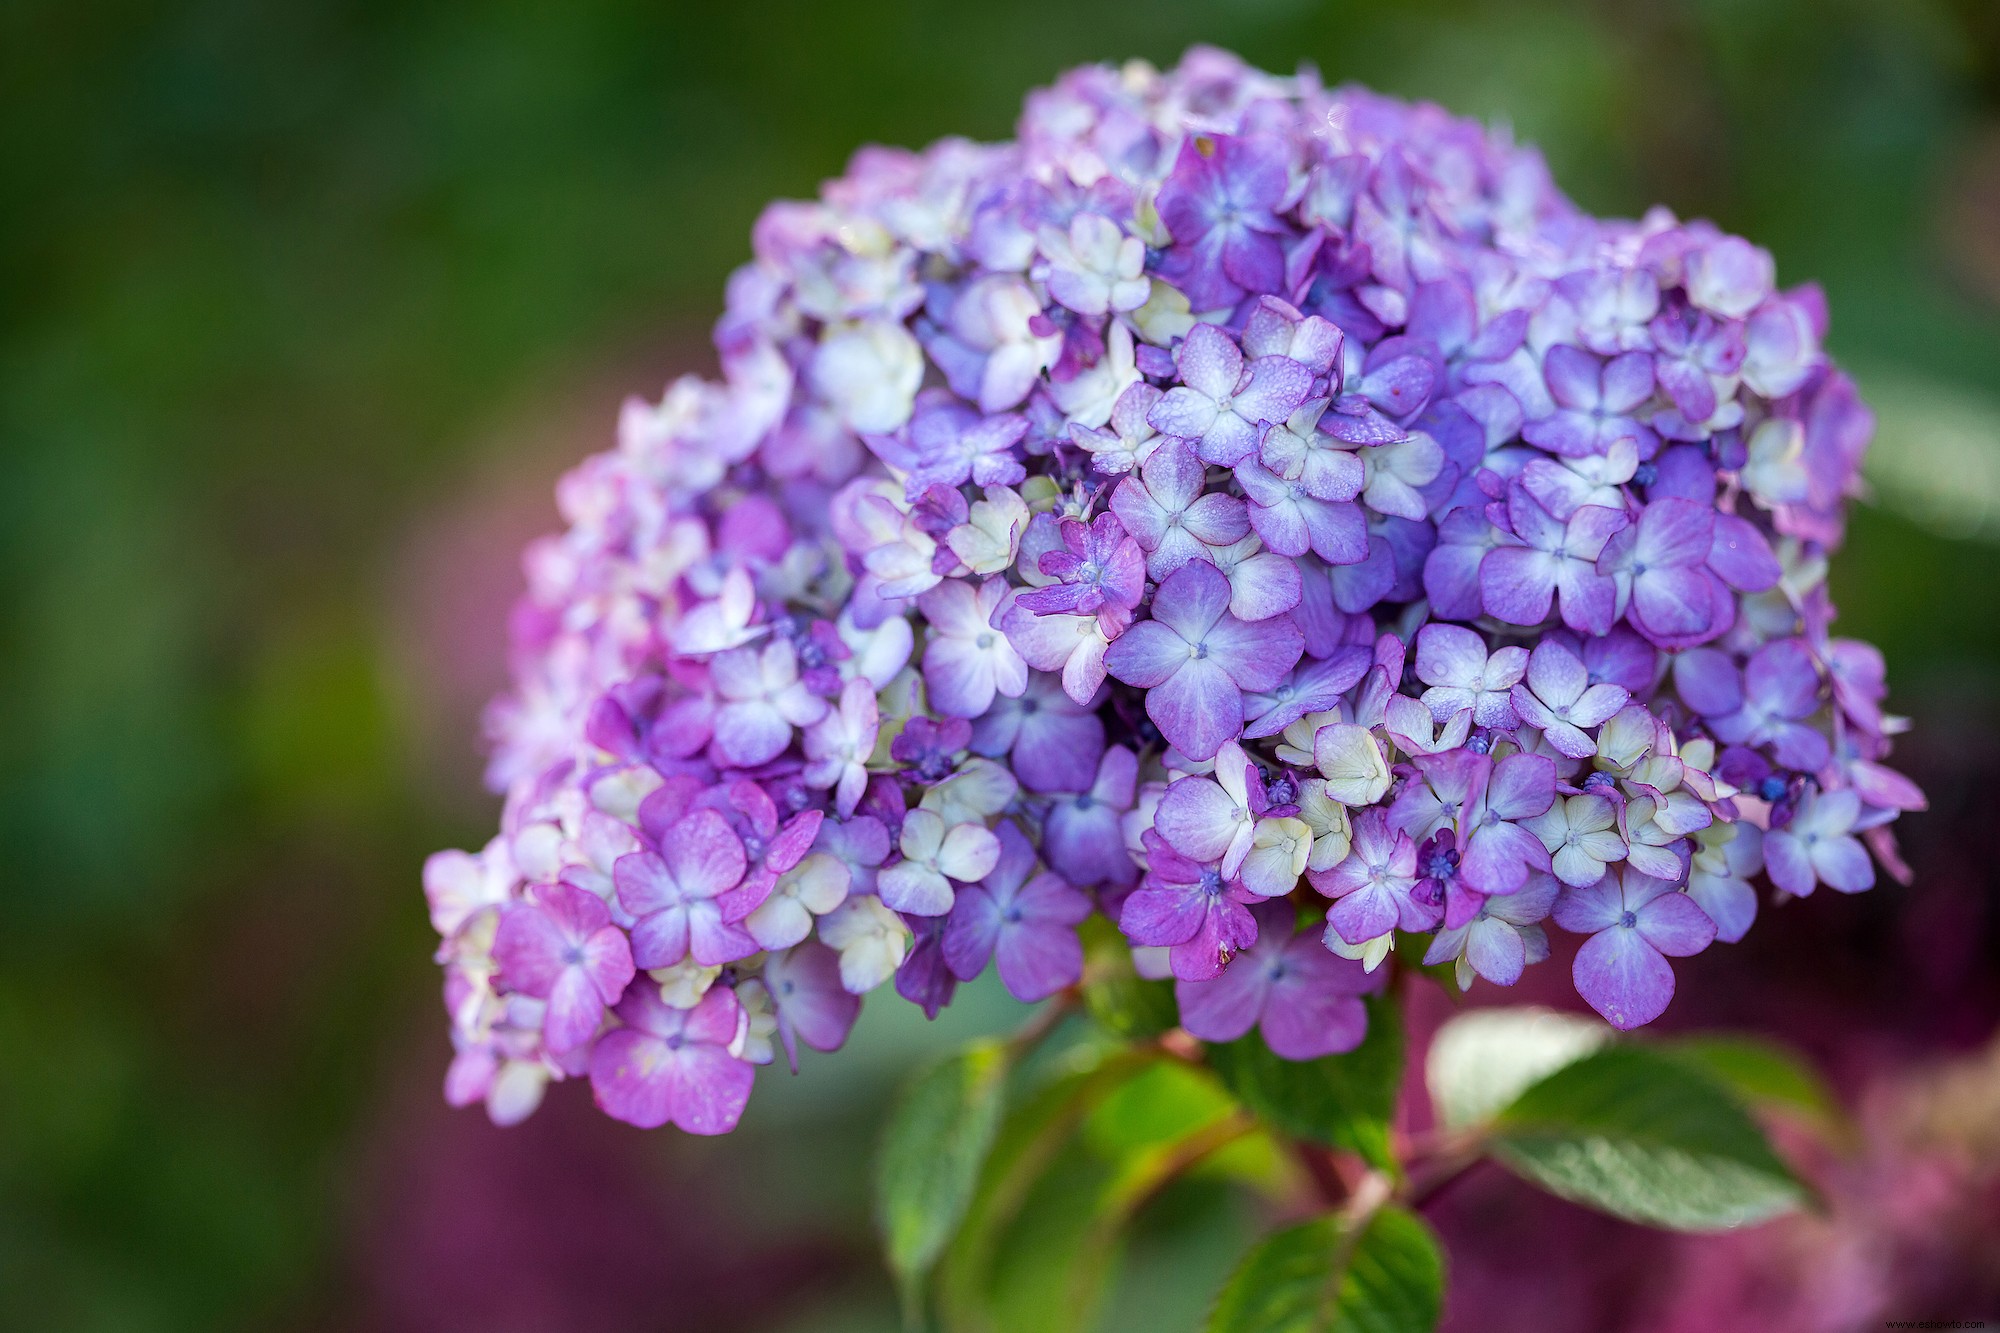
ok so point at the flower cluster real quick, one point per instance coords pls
(1273, 518)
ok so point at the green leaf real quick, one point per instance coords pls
(1317, 1277)
(1764, 1076)
(1032, 1136)
(1071, 1169)
(1647, 1137)
(1123, 1002)
(932, 1148)
(1344, 1101)
(1482, 1060)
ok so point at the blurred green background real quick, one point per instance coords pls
(302, 309)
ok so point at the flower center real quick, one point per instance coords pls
(1629, 920)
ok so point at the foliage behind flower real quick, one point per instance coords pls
(1234, 503)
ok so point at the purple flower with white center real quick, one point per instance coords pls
(1166, 511)
(1025, 920)
(1306, 1002)
(1100, 571)
(762, 700)
(1558, 699)
(1291, 520)
(1581, 835)
(935, 854)
(1219, 205)
(1223, 405)
(1131, 439)
(1635, 923)
(837, 747)
(1194, 659)
(559, 945)
(1453, 661)
(680, 895)
(1372, 887)
(1093, 267)
(1541, 560)
(1596, 403)
(1779, 691)
(1502, 939)
(1051, 742)
(1818, 846)
(811, 1004)
(1192, 909)
(968, 660)
(1081, 833)
(671, 1066)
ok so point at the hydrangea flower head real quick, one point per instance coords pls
(1272, 518)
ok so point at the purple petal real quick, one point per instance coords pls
(1674, 924)
(1037, 959)
(1199, 706)
(1146, 655)
(1623, 978)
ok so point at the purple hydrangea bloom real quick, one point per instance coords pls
(1224, 406)
(1192, 908)
(1026, 920)
(1594, 399)
(1635, 922)
(560, 946)
(1304, 999)
(1174, 521)
(1502, 939)
(1194, 659)
(679, 896)
(1818, 846)
(1218, 204)
(669, 1066)
(1540, 560)
(1231, 489)
(1374, 886)
(1101, 571)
